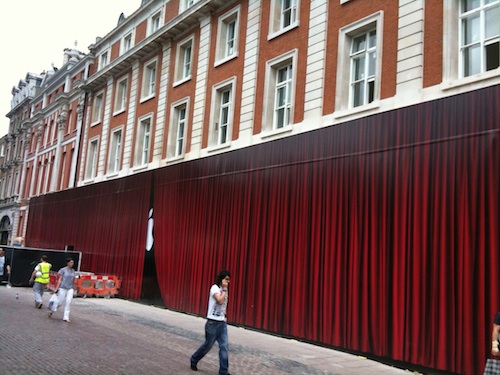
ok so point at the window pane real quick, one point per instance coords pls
(358, 94)
(372, 59)
(471, 29)
(224, 115)
(280, 118)
(472, 60)
(223, 135)
(493, 22)
(371, 91)
(281, 97)
(359, 68)
(372, 42)
(358, 44)
(492, 56)
(468, 5)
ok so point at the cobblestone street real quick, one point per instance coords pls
(115, 336)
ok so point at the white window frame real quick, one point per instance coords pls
(219, 107)
(279, 13)
(121, 91)
(143, 140)
(103, 60)
(97, 108)
(174, 149)
(269, 120)
(453, 72)
(155, 22)
(343, 99)
(115, 150)
(149, 77)
(227, 48)
(127, 43)
(184, 62)
(92, 158)
(361, 76)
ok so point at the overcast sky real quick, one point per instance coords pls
(34, 34)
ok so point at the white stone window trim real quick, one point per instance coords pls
(213, 135)
(130, 34)
(159, 13)
(103, 59)
(220, 56)
(91, 170)
(139, 150)
(272, 66)
(118, 85)
(452, 77)
(99, 94)
(112, 150)
(186, 4)
(148, 94)
(173, 128)
(179, 78)
(275, 31)
(343, 105)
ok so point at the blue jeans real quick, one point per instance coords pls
(38, 289)
(214, 331)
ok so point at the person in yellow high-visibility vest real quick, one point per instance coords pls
(41, 278)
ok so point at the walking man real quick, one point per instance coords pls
(216, 326)
(41, 277)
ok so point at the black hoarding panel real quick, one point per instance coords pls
(23, 260)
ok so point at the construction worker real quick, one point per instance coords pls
(41, 278)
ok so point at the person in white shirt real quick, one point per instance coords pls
(216, 325)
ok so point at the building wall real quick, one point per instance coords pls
(414, 43)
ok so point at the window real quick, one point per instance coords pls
(358, 68)
(181, 127)
(143, 141)
(126, 43)
(471, 37)
(149, 80)
(363, 62)
(283, 96)
(278, 105)
(227, 38)
(184, 60)
(178, 128)
(115, 151)
(222, 113)
(93, 149)
(97, 108)
(185, 4)
(121, 95)
(103, 60)
(154, 23)
(479, 36)
(284, 16)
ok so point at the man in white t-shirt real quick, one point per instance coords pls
(216, 326)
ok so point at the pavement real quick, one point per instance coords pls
(118, 337)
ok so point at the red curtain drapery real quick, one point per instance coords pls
(105, 221)
(379, 235)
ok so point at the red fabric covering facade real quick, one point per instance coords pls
(379, 235)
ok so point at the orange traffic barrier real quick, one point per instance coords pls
(97, 285)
